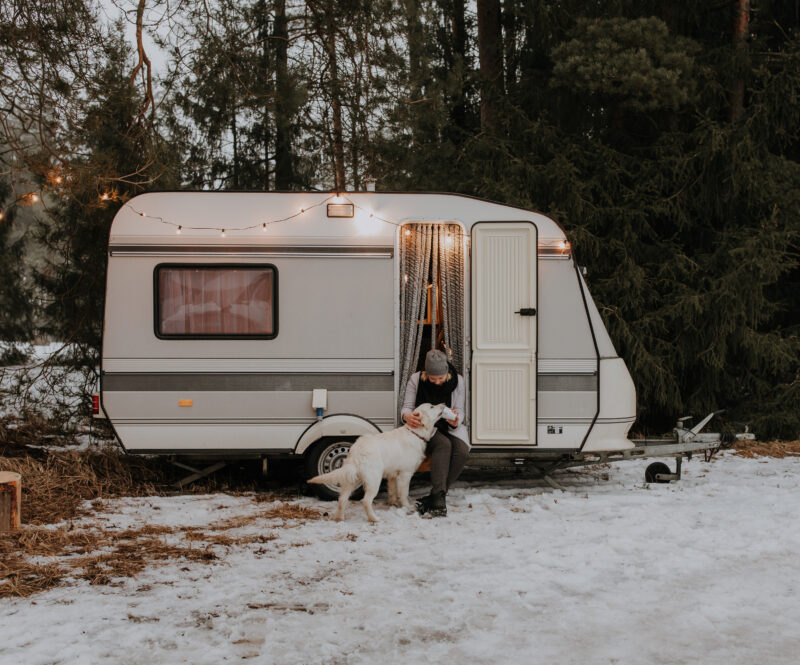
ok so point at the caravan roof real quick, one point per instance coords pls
(272, 217)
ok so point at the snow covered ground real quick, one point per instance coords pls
(706, 571)
(43, 383)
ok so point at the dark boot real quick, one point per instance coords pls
(433, 505)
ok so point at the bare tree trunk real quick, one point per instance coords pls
(283, 139)
(326, 31)
(491, 62)
(324, 25)
(510, 45)
(235, 151)
(740, 25)
(414, 36)
(143, 61)
(336, 111)
(458, 27)
(266, 137)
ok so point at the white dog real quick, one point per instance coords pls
(394, 455)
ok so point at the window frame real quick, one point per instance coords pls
(214, 266)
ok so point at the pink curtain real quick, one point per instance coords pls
(225, 301)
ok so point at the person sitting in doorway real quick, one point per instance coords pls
(438, 383)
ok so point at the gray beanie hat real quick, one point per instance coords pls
(436, 362)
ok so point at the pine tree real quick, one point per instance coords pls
(121, 156)
(16, 310)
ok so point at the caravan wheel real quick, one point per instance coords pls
(653, 469)
(324, 456)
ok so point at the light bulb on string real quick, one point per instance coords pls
(178, 230)
(264, 227)
(222, 235)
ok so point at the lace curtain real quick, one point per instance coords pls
(431, 269)
(207, 301)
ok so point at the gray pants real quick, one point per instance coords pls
(448, 457)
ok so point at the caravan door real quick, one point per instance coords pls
(504, 319)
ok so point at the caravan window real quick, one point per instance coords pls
(216, 301)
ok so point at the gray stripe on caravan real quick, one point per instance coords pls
(140, 382)
(567, 382)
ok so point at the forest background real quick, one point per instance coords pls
(665, 138)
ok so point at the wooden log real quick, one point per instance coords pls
(10, 501)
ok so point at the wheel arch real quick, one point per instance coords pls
(334, 425)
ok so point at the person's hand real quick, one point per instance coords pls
(412, 419)
(454, 421)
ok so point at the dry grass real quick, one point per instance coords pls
(766, 448)
(291, 511)
(57, 481)
(54, 487)
(107, 556)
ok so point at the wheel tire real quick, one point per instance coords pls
(324, 456)
(655, 468)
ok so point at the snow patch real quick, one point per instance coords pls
(616, 571)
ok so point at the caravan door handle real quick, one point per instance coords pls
(526, 311)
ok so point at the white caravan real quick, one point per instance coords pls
(286, 324)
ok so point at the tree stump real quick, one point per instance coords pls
(10, 500)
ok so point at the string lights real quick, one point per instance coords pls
(560, 247)
(223, 232)
(336, 197)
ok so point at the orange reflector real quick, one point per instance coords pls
(185, 402)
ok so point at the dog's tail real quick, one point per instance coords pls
(345, 473)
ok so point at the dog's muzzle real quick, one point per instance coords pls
(448, 413)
